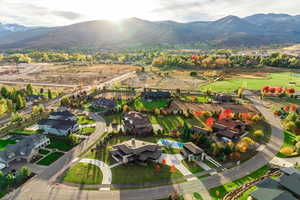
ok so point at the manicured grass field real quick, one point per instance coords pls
(192, 167)
(48, 160)
(4, 143)
(25, 132)
(83, 119)
(137, 174)
(199, 99)
(171, 122)
(87, 130)
(44, 151)
(140, 104)
(219, 192)
(289, 140)
(60, 144)
(83, 173)
(273, 79)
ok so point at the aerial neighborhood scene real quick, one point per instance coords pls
(150, 100)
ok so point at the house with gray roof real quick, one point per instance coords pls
(285, 188)
(58, 126)
(25, 148)
(136, 151)
(64, 115)
(192, 152)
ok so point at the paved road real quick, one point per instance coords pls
(40, 188)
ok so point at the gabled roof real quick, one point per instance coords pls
(198, 129)
(58, 123)
(291, 182)
(193, 148)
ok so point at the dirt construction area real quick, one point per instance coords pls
(62, 74)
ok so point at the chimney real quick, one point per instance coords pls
(133, 142)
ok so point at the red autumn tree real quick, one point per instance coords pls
(198, 113)
(173, 169)
(210, 122)
(226, 114)
(279, 89)
(286, 108)
(272, 90)
(164, 162)
(293, 108)
(266, 89)
(290, 90)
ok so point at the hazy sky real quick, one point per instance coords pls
(62, 12)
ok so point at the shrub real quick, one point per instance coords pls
(288, 151)
(248, 140)
(242, 147)
(258, 134)
(193, 74)
(290, 126)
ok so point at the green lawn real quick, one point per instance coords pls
(44, 151)
(87, 130)
(247, 193)
(199, 99)
(49, 159)
(289, 141)
(5, 142)
(83, 119)
(25, 132)
(140, 104)
(222, 190)
(273, 79)
(121, 102)
(137, 174)
(61, 144)
(114, 117)
(171, 122)
(192, 166)
(83, 173)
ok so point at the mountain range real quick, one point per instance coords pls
(255, 30)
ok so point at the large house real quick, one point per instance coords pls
(229, 129)
(25, 149)
(104, 103)
(285, 188)
(192, 152)
(59, 123)
(137, 123)
(136, 151)
(152, 96)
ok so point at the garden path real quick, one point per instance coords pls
(106, 172)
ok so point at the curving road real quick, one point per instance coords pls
(40, 188)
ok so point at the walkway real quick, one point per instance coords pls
(106, 172)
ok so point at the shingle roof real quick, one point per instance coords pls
(21, 148)
(193, 148)
(65, 113)
(291, 182)
(58, 123)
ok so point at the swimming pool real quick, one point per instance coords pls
(170, 143)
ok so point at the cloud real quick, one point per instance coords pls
(67, 14)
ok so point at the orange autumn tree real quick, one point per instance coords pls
(157, 168)
(226, 114)
(173, 169)
(164, 162)
(210, 122)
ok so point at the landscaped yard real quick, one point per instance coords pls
(5, 142)
(192, 167)
(273, 79)
(289, 141)
(83, 119)
(139, 104)
(87, 130)
(137, 174)
(219, 192)
(84, 173)
(44, 151)
(49, 159)
(61, 144)
(171, 122)
(198, 99)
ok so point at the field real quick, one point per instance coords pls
(274, 79)
(137, 174)
(49, 159)
(83, 173)
(66, 75)
(5, 142)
